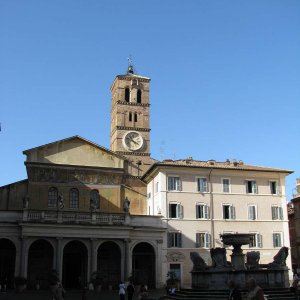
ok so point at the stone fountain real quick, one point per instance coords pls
(237, 240)
(241, 267)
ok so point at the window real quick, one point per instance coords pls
(148, 195)
(156, 186)
(256, 242)
(175, 210)
(251, 187)
(228, 212)
(94, 199)
(127, 94)
(202, 211)
(251, 212)
(174, 239)
(226, 185)
(202, 185)
(277, 213)
(52, 197)
(139, 96)
(130, 116)
(277, 239)
(174, 184)
(135, 117)
(273, 187)
(203, 240)
(74, 198)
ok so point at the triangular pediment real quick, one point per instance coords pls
(75, 151)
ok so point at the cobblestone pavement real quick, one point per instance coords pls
(74, 295)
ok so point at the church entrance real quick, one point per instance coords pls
(7, 261)
(74, 265)
(109, 264)
(40, 263)
(143, 265)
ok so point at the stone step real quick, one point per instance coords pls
(192, 294)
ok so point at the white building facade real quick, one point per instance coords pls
(201, 200)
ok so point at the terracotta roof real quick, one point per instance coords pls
(212, 164)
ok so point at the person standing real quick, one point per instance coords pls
(255, 291)
(122, 291)
(130, 290)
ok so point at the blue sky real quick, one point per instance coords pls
(225, 76)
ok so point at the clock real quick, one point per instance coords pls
(133, 141)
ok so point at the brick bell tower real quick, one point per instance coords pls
(130, 131)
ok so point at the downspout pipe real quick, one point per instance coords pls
(211, 196)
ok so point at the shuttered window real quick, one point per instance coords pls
(175, 210)
(202, 211)
(174, 240)
(228, 212)
(251, 187)
(202, 185)
(252, 212)
(203, 240)
(277, 213)
(174, 183)
(277, 239)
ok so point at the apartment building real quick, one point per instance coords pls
(199, 200)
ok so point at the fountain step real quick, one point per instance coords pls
(189, 294)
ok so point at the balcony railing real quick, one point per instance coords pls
(74, 217)
(70, 217)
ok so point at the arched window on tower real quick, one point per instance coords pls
(127, 94)
(135, 117)
(139, 96)
(130, 116)
(74, 198)
(52, 197)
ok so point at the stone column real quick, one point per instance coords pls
(93, 265)
(127, 259)
(59, 257)
(158, 260)
(24, 256)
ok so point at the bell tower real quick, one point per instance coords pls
(130, 131)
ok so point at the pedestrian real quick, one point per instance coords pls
(130, 290)
(234, 292)
(58, 292)
(143, 293)
(122, 291)
(255, 291)
(295, 282)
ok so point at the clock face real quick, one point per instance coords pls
(133, 141)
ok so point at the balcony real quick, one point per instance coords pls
(69, 217)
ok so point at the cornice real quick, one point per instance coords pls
(132, 103)
(133, 128)
(133, 153)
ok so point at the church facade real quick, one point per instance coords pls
(82, 210)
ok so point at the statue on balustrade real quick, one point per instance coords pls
(126, 205)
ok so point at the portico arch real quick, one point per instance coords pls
(143, 264)
(40, 263)
(75, 258)
(109, 263)
(7, 260)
